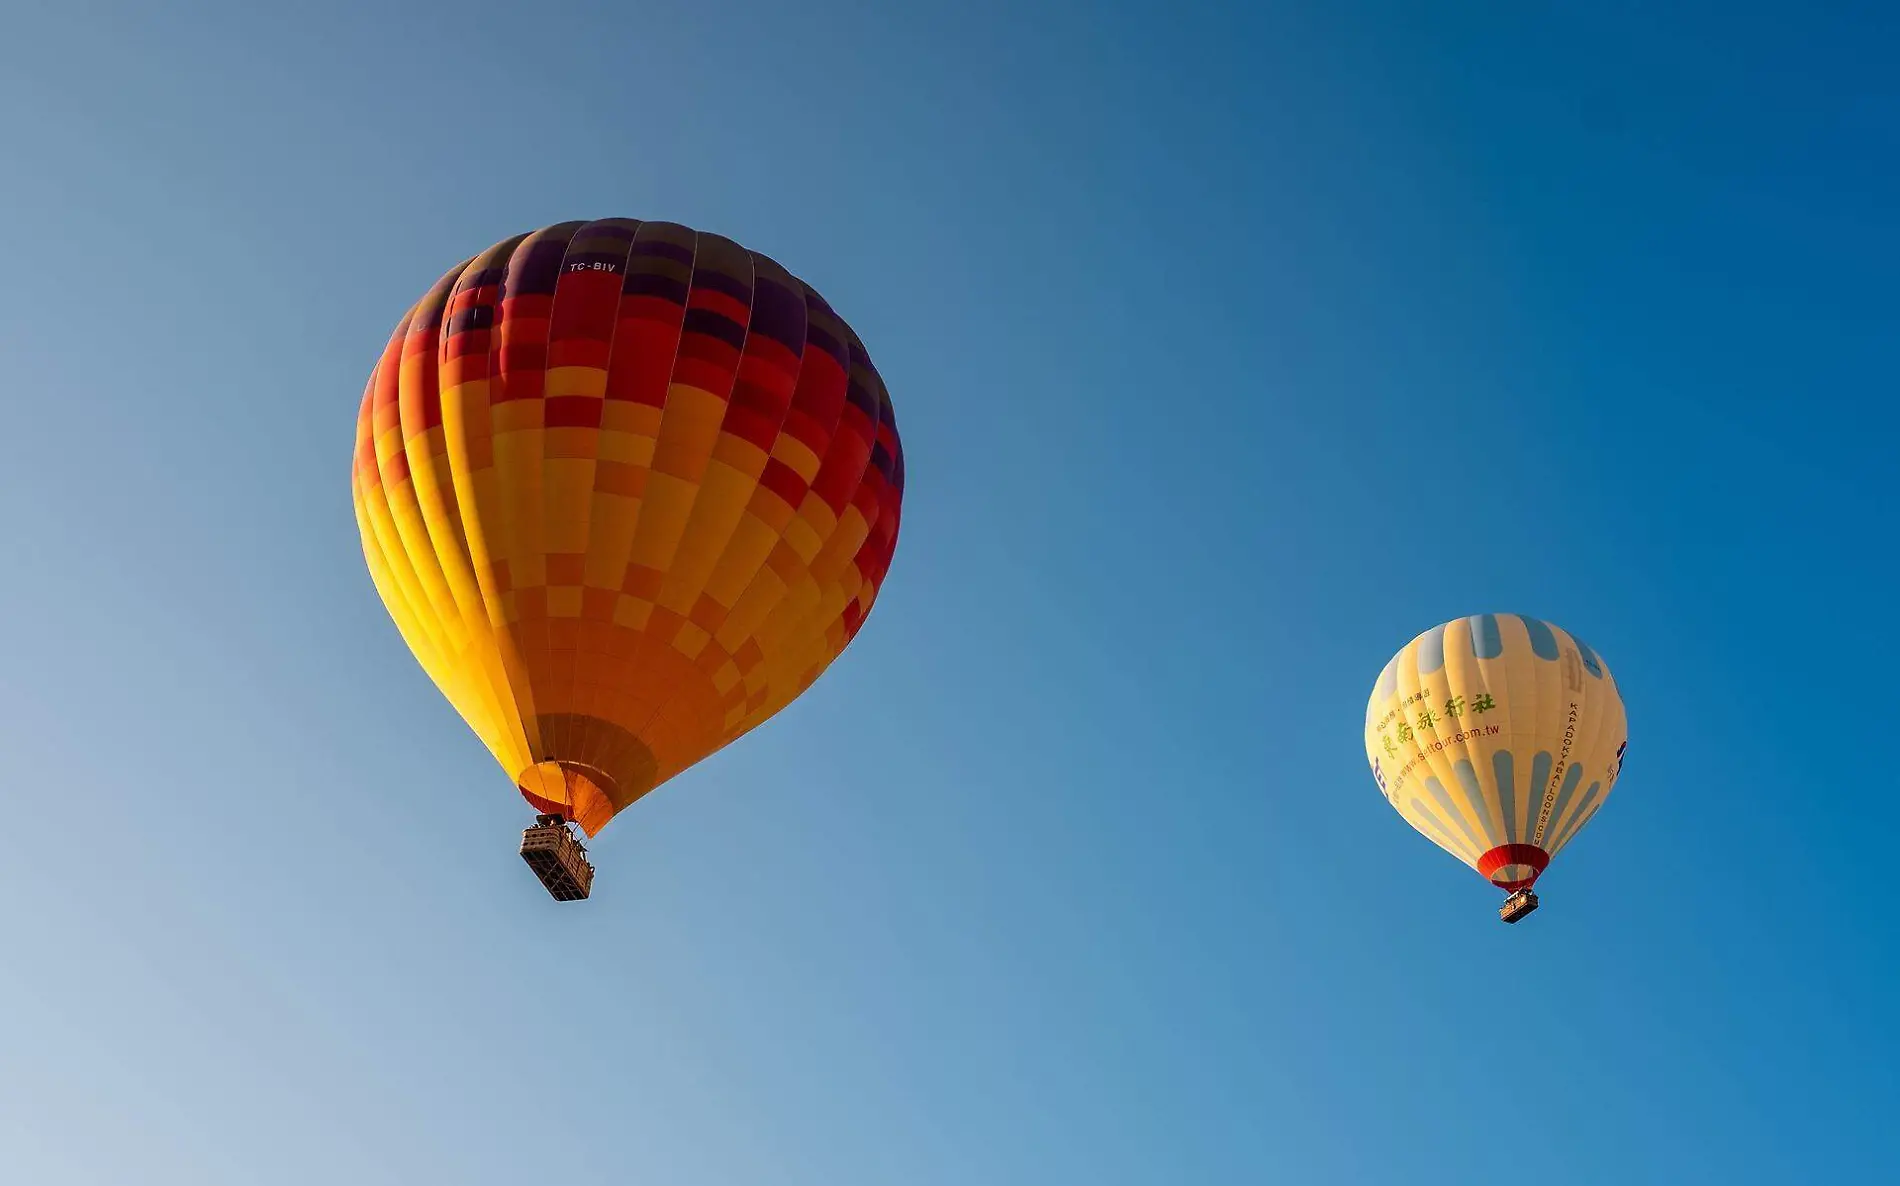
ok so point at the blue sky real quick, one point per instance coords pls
(1231, 350)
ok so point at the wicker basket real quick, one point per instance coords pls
(1517, 905)
(557, 859)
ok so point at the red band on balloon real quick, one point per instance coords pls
(1513, 854)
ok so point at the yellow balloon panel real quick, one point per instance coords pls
(627, 489)
(1499, 737)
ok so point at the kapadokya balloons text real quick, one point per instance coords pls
(627, 489)
(1499, 737)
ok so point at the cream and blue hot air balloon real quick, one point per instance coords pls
(1499, 737)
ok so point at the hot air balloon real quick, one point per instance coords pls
(1499, 737)
(627, 489)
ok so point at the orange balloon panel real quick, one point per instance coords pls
(627, 489)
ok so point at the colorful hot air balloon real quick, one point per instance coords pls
(1498, 737)
(627, 489)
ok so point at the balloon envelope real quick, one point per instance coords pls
(1498, 737)
(627, 489)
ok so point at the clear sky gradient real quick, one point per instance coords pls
(1231, 350)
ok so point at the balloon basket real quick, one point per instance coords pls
(1518, 905)
(557, 858)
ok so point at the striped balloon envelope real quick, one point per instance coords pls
(1499, 737)
(627, 489)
